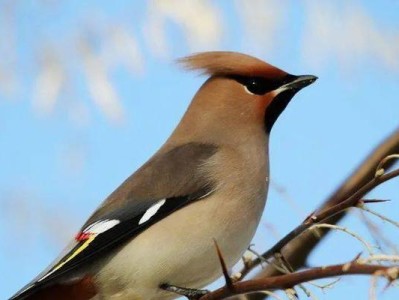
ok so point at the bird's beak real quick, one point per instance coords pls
(283, 95)
(299, 82)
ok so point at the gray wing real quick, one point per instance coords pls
(175, 173)
(166, 183)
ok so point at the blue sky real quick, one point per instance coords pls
(64, 151)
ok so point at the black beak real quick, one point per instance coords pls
(284, 95)
(299, 82)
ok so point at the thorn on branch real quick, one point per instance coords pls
(367, 201)
(356, 258)
(229, 282)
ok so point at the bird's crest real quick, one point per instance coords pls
(230, 63)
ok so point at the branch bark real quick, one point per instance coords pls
(290, 280)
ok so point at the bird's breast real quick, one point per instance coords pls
(180, 249)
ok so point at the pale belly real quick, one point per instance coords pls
(180, 250)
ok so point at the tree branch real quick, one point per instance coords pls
(322, 217)
(292, 279)
(297, 250)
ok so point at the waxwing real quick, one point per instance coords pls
(154, 236)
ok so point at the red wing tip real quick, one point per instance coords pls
(82, 236)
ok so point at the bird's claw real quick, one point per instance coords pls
(191, 294)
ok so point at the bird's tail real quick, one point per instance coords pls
(83, 289)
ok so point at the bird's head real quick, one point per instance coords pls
(241, 90)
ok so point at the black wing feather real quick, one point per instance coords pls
(122, 232)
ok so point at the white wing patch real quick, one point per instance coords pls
(151, 211)
(101, 226)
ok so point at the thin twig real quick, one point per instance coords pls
(382, 217)
(377, 234)
(379, 257)
(351, 233)
(319, 217)
(380, 168)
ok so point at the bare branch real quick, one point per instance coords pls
(293, 279)
(296, 251)
(322, 217)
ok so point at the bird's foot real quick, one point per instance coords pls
(191, 294)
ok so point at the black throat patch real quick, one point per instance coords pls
(276, 107)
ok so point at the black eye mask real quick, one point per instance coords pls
(260, 85)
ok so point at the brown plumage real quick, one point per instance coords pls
(82, 289)
(208, 182)
(228, 63)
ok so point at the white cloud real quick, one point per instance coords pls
(200, 22)
(120, 48)
(346, 33)
(261, 20)
(100, 87)
(49, 81)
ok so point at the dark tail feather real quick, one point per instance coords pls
(83, 289)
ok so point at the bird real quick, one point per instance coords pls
(154, 237)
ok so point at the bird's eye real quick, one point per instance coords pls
(256, 85)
